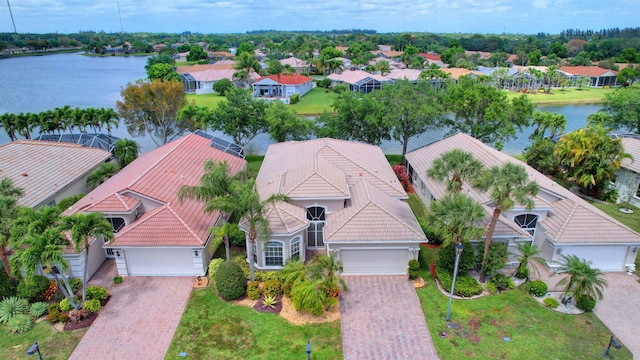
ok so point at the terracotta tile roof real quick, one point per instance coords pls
(44, 168)
(114, 203)
(295, 62)
(156, 177)
(571, 219)
(221, 53)
(632, 146)
(388, 54)
(591, 71)
(372, 216)
(283, 218)
(287, 79)
(430, 56)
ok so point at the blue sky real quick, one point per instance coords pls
(227, 16)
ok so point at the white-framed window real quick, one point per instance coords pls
(315, 235)
(295, 249)
(274, 253)
(527, 222)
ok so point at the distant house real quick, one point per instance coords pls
(201, 82)
(432, 58)
(156, 233)
(456, 73)
(359, 81)
(412, 75)
(345, 200)
(387, 54)
(219, 55)
(560, 223)
(598, 76)
(627, 179)
(282, 87)
(299, 65)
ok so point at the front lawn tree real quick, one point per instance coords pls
(455, 167)
(455, 217)
(241, 117)
(285, 125)
(196, 53)
(506, 185)
(624, 106)
(152, 108)
(163, 72)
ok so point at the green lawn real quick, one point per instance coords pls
(315, 102)
(394, 159)
(567, 96)
(534, 331)
(417, 206)
(208, 100)
(213, 329)
(253, 164)
(53, 344)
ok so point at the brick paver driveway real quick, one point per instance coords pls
(382, 319)
(620, 309)
(139, 321)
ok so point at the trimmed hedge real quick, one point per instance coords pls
(213, 267)
(538, 288)
(230, 280)
(414, 269)
(33, 288)
(466, 286)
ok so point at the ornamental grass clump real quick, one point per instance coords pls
(21, 323)
(38, 309)
(11, 307)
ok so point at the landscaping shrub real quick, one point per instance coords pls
(77, 315)
(551, 302)
(237, 237)
(213, 267)
(230, 280)
(466, 286)
(324, 83)
(522, 273)
(267, 275)
(92, 305)
(12, 306)
(244, 265)
(294, 99)
(414, 269)
(33, 288)
(432, 235)
(340, 88)
(38, 309)
(117, 280)
(63, 318)
(306, 297)
(96, 292)
(502, 282)
(496, 259)
(426, 256)
(52, 317)
(272, 287)
(8, 287)
(21, 323)
(270, 301)
(585, 303)
(403, 177)
(76, 284)
(65, 305)
(447, 257)
(223, 86)
(538, 288)
(253, 290)
(51, 291)
(491, 287)
(66, 203)
(53, 308)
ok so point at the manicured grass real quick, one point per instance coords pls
(394, 159)
(567, 96)
(185, 63)
(417, 206)
(213, 329)
(253, 164)
(535, 332)
(53, 344)
(315, 102)
(209, 100)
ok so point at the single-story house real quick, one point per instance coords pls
(412, 75)
(283, 86)
(157, 234)
(201, 82)
(456, 73)
(387, 54)
(598, 76)
(359, 81)
(561, 223)
(345, 200)
(49, 171)
(627, 179)
(298, 64)
(432, 58)
(219, 55)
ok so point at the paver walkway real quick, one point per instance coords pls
(620, 309)
(382, 319)
(139, 321)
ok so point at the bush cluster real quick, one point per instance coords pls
(447, 257)
(340, 88)
(92, 305)
(538, 288)
(586, 303)
(97, 293)
(414, 269)
(253, 290)
(38, 309)
(432, 235)
(77, 315)
(7, 286)
(496, 259)
(51, 290)
(76, 284)
(324, 83)
(19, 324)
(294, 99)
(12, 306)
(230, 280)
(466, 286)
(33, 288)
(272, 288)
(551, 302)
(241, 260)
(502, 282)
(213, 267)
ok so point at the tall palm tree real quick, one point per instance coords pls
(455, 167)
(215, 182)
(506, 185)
(243, 199)
(455, 216)
(83, 228)
(23, 127)
(8, 122)
(274, 67)
(582, 280)
(125, 151)
(247, 62)
(8, 213)
(543, 120)
(101, 174)
(107, 118)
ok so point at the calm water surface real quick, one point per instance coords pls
(39, 83)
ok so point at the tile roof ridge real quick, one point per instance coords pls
(137, 223)
(383, 209)
(124, 203)
(179, 142)
(189, 229)
(567, 219)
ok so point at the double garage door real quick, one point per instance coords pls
(159, 262)
(366, 261)
(605, 258)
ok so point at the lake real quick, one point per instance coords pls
(39, 83)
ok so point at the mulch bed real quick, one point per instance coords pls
(261, 308)
(86, 322)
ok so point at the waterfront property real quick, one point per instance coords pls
(345, 200)
(561, 223)
(598, 76)
(359, 81)
(282, 86)
(627, 179)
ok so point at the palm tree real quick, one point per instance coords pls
(454, 167)
(528, 252)
(326, 269)
(544, 121)
(8, 189)
(125, 151)
(101, 174)
(275, 67)
(8, 122)
(247, 62)
(582, 280)
(108, 118)
(454, 217)
(215, 182)
(244, 199)
(507, 185)
(83, 228)
(8, 213)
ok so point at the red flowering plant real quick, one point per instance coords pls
(403, 177)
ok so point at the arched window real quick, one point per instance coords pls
(295, 249)
(316, 217)
(527, 222)
(274, 254)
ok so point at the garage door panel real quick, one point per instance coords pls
(605, 258)
(364, 261)
(159, 262)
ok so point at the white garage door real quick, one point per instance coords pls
(374, 261)
(159, 262)
(605, 258)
